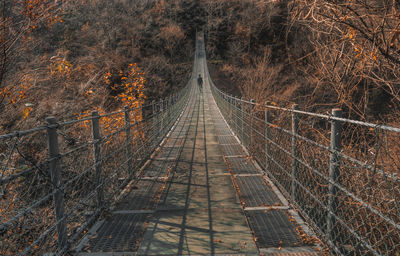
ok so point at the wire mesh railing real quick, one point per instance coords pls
(56, 180)
(341, 174)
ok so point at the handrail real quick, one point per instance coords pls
(326, 117)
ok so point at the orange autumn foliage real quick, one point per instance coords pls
(39, 10)
(130, 93)
(16, 93)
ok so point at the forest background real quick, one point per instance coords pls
(66, 57)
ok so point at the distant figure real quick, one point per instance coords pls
(200, 82)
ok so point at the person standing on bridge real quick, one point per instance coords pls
(200, 82)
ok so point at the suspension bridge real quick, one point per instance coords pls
(202, 173)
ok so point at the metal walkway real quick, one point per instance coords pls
(200, 194)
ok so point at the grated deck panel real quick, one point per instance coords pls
(232, 150)
(121, 232)
(157, 168)
(227, 140)
(273, 229)
(142, 197)
(174, 142)
(316, 253)
(169, 152)
(222, 130)
(241, 165)
(254, 192)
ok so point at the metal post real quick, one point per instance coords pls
(128, 140)
(295, 127)
(97, 157)
(334, 173)
(55, 173)
(142, 113)
(242, 121)
(173, 104)
(161, 117)
(231, 110)
(166, 114)
(250, 141)
(267, 120)
(154, 121)
(225, 105)
(170, 111)
(228, 109)
(227, 114)
(166, 102)
(235, 126)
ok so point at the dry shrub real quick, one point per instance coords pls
(351, 47)
(259, 81)
(172, 34)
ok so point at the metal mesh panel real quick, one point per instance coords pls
(342, 174)
(78, 173)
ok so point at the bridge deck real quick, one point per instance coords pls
(200, 194)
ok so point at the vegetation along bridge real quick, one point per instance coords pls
(201, 172)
